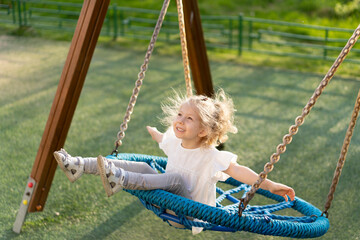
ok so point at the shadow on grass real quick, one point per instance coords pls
(114, 222)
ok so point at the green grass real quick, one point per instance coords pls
(267, 100)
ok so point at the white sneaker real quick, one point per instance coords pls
(108, 170)
(73, 167)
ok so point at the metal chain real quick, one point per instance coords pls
(184, 49)
(343, 153)
(281, 148)
(141, 76)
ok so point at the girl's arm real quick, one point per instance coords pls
(248, 176)
(155, 134)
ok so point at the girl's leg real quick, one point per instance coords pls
(91, 166)
(74, 167)
(115, 178)
(171, 182)
(136, 167)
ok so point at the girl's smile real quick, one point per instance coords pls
(187, 126)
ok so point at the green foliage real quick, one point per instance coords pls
(309, 6)
(348, 8)
(309, 11)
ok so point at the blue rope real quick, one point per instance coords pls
(256, 219)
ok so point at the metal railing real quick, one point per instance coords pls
(235, 33)
(7, 14)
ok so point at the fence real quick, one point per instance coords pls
(235, 33)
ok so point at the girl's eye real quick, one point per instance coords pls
(179, 114)
(190, 118)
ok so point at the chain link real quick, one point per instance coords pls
(184, 49)
(141, 76)
(343, 154)
(281, 148)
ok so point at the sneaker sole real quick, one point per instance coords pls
(68, 174)
(103, 176)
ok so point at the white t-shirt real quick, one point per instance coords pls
(201, 168)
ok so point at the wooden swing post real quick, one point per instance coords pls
(68, 92)
(199, 64)
(86, 34)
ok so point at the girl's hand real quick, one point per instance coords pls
(283, 190)
(155, 134)
(248, 176)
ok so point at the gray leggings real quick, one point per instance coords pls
(140, 176)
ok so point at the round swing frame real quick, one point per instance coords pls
(255, 219)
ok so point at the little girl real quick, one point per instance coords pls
(197, 124)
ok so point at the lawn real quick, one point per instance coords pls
(267, 102)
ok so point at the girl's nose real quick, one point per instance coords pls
(181, 120)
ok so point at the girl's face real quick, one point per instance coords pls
(187, 126)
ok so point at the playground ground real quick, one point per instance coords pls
(267, 102)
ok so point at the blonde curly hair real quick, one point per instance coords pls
(216, 115)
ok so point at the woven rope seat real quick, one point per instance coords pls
(256, 219)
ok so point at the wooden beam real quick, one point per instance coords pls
(199, 64)
(68, 92)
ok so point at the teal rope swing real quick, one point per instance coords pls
(256, 219)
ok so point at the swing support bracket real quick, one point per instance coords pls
(24, 205)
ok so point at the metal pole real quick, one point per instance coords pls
(230, 33)
(240, 37)
(13, 10)
(115, 21)
(250, 35)
(122, 24)
(325, 42)
(25, 16)
(19, 12)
